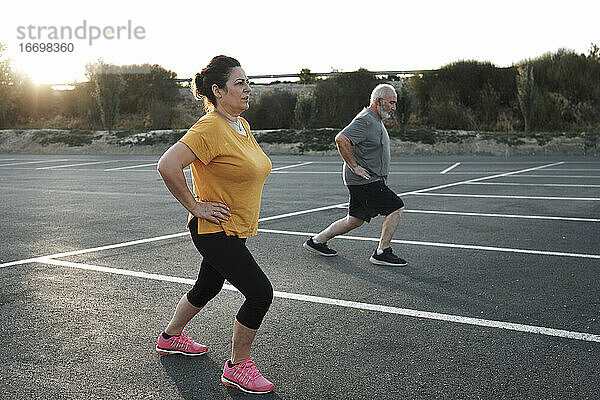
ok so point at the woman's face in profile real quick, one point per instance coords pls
(236, 95)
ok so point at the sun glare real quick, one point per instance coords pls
(48, 74)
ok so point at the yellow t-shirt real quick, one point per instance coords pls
(230, 168)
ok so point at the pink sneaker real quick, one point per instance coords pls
(245, 376)
(182, 344)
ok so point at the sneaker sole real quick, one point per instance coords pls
(379, 262)
(165, 352)
(307, 247)
(228, 382)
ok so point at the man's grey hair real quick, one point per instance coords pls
(381, 91)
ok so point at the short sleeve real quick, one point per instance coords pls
(200, 143)
(356, 131)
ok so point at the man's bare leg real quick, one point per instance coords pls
(339, 227)
(390, 223)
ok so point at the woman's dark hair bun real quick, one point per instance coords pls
(215, 73)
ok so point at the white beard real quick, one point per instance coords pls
(385, 114)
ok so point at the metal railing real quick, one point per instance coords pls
(325, 74)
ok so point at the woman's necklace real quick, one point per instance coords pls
(237, 124)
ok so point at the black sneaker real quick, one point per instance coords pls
(319, 248)
(387, 258)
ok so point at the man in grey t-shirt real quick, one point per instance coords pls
(365, 147)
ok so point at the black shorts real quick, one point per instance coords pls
(373, 199)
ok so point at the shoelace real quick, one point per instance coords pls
(183, 340)
(249, 371)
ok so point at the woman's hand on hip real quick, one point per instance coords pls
(212, 211)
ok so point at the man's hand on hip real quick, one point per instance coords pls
(360, 171)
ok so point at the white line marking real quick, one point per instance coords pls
(84, 193)
(33, 162)
(76, 165)
(291, 166)
(450, 168)
(130, 167)
(300, 212)
(532, 184)
(504, 215)
(540, 330)
(492, 162)
(406, 193)
(493, 196)
(93, 249)
(480, 179)
(557, 176)
(260, 220)
(438, 244)
(574, 169)
(391, 173)
(20, 262)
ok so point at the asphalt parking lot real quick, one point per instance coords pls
(499, 300)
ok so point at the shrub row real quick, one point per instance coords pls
(556, 92)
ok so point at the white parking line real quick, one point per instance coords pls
(33, 162)
(517, 216)
(533, 184)
(411, 192)
(94, 249)
(292, 166)
(76, 165)
(573, 169)
(19, 262)
(539, 330)
(450, 168)
(391, 173)
(131, 166)
(493, 196)
(440, 244)
(557, 176)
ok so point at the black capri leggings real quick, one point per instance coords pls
(227, 257)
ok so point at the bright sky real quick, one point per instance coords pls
(274, 37)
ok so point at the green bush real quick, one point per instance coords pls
(143, 83)
(340, 97)
(80, 103)
(570, 91)
(480, 89)
(161, 114)
(274, 109)
(306, 109)
(71, 138)
(406, 103)
(447, 112)
(181, 119)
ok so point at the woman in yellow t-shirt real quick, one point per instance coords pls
(229, 170)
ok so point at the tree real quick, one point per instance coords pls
(306, 76)
(526, 93)
(144, 84)
(5, 74)
(406, 103)
(9, 91)
(594, 52)
(108, 85)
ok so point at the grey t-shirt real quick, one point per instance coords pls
(370, 147)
